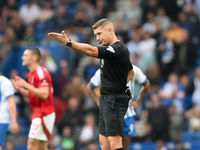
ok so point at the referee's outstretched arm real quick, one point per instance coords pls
(82, 48)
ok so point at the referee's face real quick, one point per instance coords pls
(102, 36)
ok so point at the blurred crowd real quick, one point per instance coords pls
(163, 39)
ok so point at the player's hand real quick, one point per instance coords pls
(15, 85)
(20, 82)
(14, 128)
(134, 104)
(60, 37)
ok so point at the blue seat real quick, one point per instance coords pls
(196, 137)
(24, 130)
(187, 136)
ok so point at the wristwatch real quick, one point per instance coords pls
(69, 43)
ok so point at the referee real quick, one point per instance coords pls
(116, 71)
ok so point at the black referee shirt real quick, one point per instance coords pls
(115, 65)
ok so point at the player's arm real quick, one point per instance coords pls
(13, 115)
(23, 91)
(130, 75)
(144, 89)
(82, 48)
(42, 92)
(9, 95)
(91, 92)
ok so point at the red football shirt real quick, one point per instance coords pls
(40, 77)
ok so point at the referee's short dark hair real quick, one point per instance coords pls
(35, 51)
(101, 23)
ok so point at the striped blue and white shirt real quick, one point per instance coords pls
(6, 90)
(138, 77)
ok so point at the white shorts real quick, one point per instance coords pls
(36, 130)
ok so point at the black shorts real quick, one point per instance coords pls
(111, 116)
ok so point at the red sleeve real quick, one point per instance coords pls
(43, 82)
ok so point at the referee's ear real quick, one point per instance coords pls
(110, 30)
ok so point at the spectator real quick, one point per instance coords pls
(7, 43)
(158, 118)
(48, 62)
(63, 75)
(183, 23)
(60, 20)
(88, 133)
(147, 135)
(165, 55)
(73, 116)
(120, 30)
(160, 145)
(81, 20)
(133, 29)
(55, 141)
(8, 11)
(88, 10)
(175, 124)
(29, 12)
(147, 51)
(18, 27)
(75, 87)
(92, 146)
(133, 11)
(172, 92)
(100, 10)
(196, 83)
(67, 142)
(9, 145)
(153, 74)
(61, 106)
(193, 19)
(150, 25)
(179, 146)
(192, 116)
(171, 7)
(29, 38)
(17, 138)
(148, 6)
(163, 21)
(46, 12)
(176, 34)
(90, 69)
(133, 45)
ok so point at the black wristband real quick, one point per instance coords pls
(69, 43)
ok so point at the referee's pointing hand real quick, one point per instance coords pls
(61, 38)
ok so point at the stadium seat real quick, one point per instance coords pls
(187, 136)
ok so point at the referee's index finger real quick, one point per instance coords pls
(52, 33)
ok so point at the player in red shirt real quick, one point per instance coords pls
(40, 93)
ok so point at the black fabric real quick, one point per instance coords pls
(115, 65)
(120, 149)
(112, 111)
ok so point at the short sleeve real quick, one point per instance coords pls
(139, 75)
(110, 51)
(7, 88)
(96, 79)
(43, 83)
(43, 79)
(130, 66)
